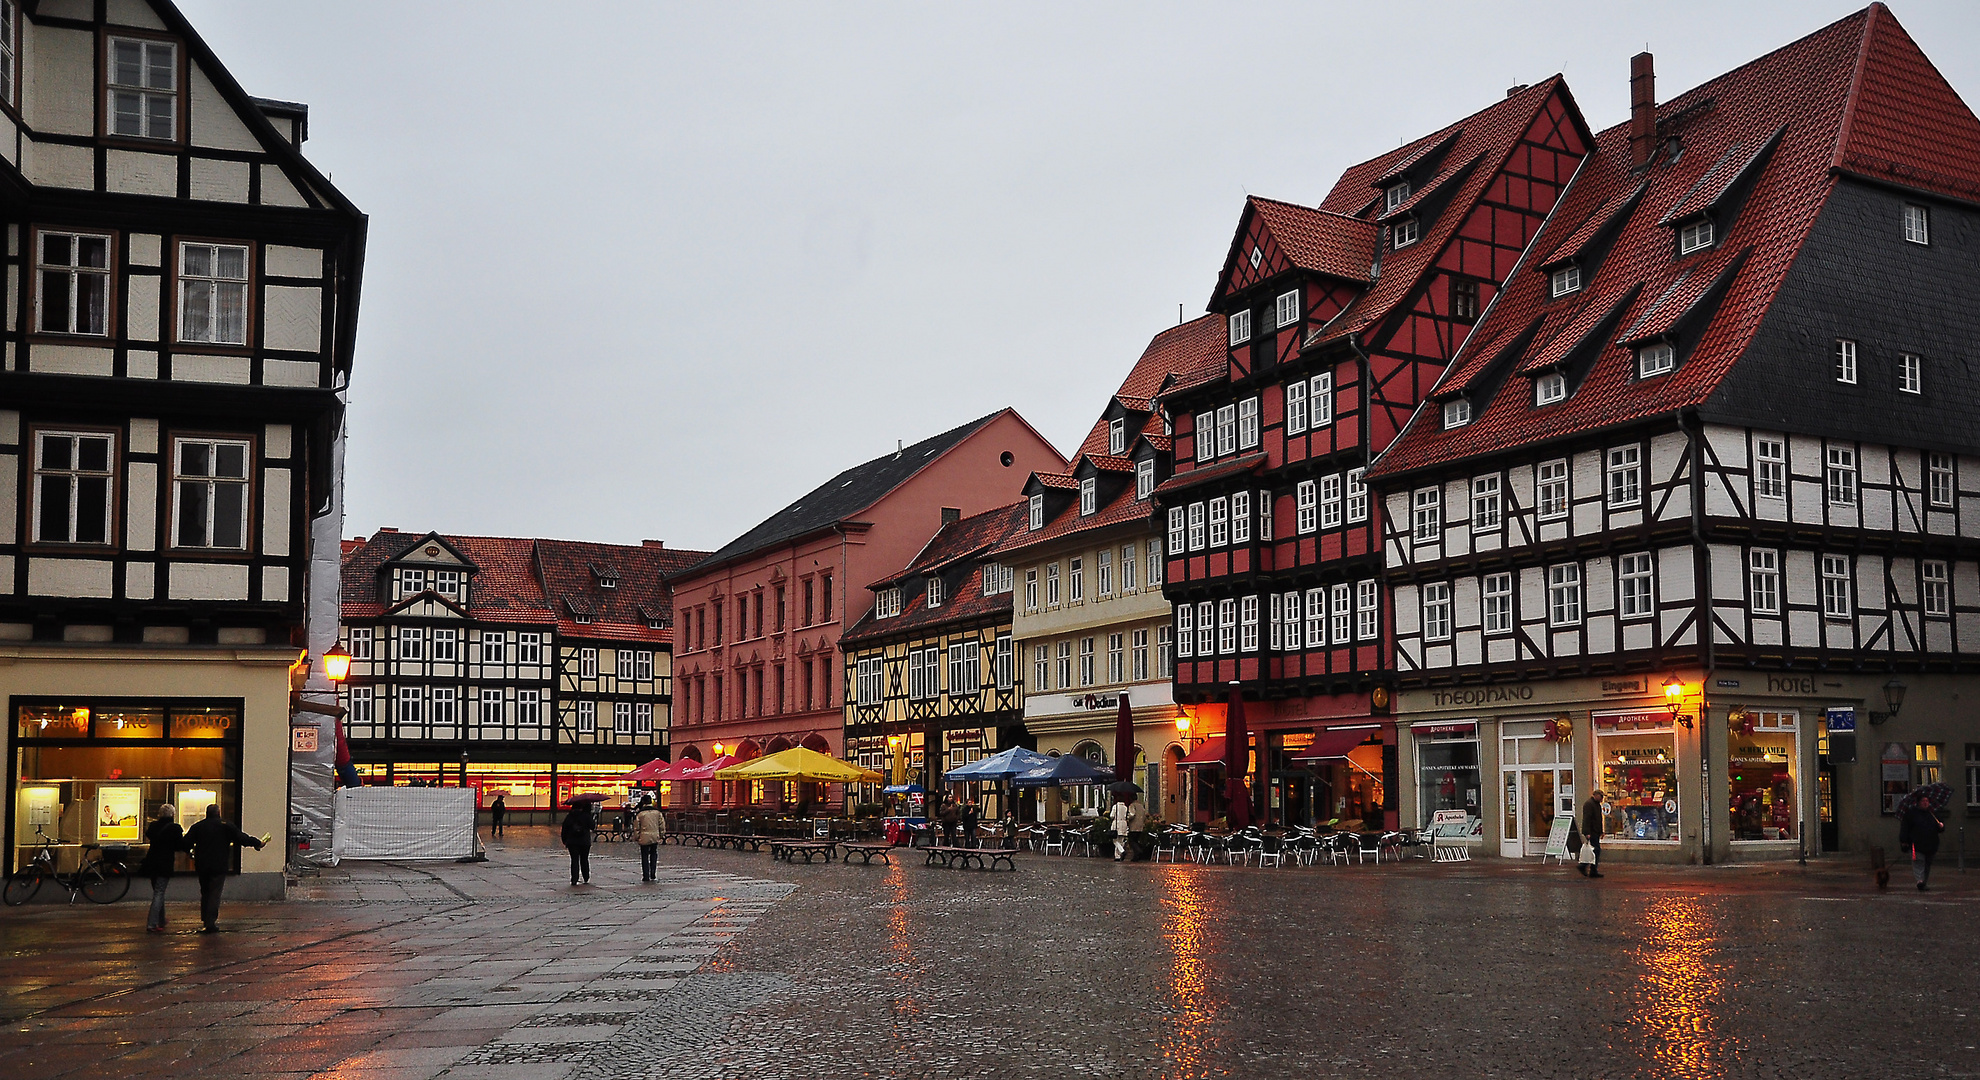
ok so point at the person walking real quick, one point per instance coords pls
(1137, 827)
(1591, 834)
(497, 810)
(1121, 817)
(951, 817)
(577, 840)
(648, 828)
(212, 843)
(1919, 829)
(970, 816)
(166, 840)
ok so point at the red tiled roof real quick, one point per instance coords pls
(1322, 241)
(1594, 312)
(1734, 165)
(1430, 187)
(1123, 507)
(1424, 148)
(1856, 88)
(1111, 462)
(969, 540)
(1179, 349)
(1605, 215)
(961, 539)
(1056, 481)
(1233, 467)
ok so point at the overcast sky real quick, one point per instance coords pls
(655, 270)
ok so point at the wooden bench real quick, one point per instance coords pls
(786, 849)
(866, 852)
(980, 858)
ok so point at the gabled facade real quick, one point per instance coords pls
(933, 663)
(757, 660)
(517, 666)
(1339, 319)
(1713, 442)
(183, 298)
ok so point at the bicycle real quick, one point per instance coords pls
(102, 877)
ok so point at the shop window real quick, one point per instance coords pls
(1447, 776)
(1636, 766)
(1762, 766)
(1927, 761)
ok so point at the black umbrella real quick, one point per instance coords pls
(1123, 787)
(1934, 795)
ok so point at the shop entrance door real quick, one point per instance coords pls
(1532, 798)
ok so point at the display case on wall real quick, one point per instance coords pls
(1636, 768)
(119, 813)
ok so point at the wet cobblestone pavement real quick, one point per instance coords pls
(733, 966)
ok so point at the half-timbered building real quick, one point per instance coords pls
(182, 298)
(517, 666)
(932, 667)
(1692, 517)
(1338, 318)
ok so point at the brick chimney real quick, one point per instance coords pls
(653, 543)
(1642, 109)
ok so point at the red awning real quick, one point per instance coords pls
(1210, 753)
(1333, 744)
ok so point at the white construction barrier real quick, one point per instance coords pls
(403, 823)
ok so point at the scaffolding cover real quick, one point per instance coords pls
(404, 823)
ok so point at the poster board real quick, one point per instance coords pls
(1449, 831)
(1557, 837)
(119, 813)
(191, 801)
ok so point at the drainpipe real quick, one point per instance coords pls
(1702, 576)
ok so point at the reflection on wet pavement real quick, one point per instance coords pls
(1683, 990)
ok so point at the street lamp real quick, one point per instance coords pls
(1674, 697)
(336, 664)
(1894, 695)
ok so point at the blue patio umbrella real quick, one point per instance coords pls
(1066, 769)
(998, 766)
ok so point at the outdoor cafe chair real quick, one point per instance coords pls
(1270, 849)
(1055, 840)
(1339, 847)
(1241, 845)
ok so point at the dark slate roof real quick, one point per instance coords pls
(842, 497)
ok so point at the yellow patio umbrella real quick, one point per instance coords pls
(899, 743)
(799, 763)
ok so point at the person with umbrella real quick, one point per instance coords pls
(1919, 826)
(1130, 818)
(577, 838)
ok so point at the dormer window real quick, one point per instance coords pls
(1144, 478)
(447, 583)
(1457, 413)
(1655, 359)
(1403, 234)
(887, 604)
(143, 79)
(1696, 236)
(1286, 308)
(1086, 497)
(1566, 280)
(1116, 435)
(1240, 327)
(608, 583)
(1037, 510)
(934, 591)
(1549, 388)
(1395, 195)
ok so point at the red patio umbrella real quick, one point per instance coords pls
(1237, 759)
(1124, 741)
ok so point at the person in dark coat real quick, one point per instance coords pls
(1591, 833)
(211, 842)
(497, 810)
(951, 817)
(577, 840)
(166, 840)
(1919, 831)
(969, 816)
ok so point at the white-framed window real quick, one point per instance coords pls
(1296, 407)
(1395, 195)
(1367, 600)
(1917, 224)
(643, 666)
(1427, 515)
(887, 602)
(1305, 495)
(1457, 413)
(1177, 524)
(997, 578)
(1549, 388)
(1116, 658)
(1196, 526)
(1911, 374)
(529, 708)
(1227, 626)
(1144, 478)
(489, 709)
(1248, 624)
(1226, 430)
(1404, 233)
(1206, 628)
(213, 281)
(1165, 652)
(1357, 496)
(1845, 361)
(1770, 468)
(1103, 572)
(1052, 585)
(1937, 587)
(1841, 476)
(1330, 502)
(1220, 522)
(1117, 435)
(1031, 589)
(587, 663)
(360, 643)
(1041, 667)
(1939, 478)
(966, 668)
(411, 708)
(1157, 566)
(529, 648)
(1636, 585)
(643, 718)
(587, 717)
(446, 644)
(1763, 581)
(1655, 359)
(1206, 436)
(1127, 568)
(1552, 482)
(1185, 632)
(1289, 615)
(445, 714)
(143, 78)
(412, 643)
(866, 678)
(1485, 503)
(1564, 594)
(1437, 611)
(9, 51)
(1565, 280)
(622, 723)
(1005, 662)
(448, 583)
(1320, 400)
(1139, 655)
(1835, 586)
(1240, 327)
(1241, 518)
(74, 279)
(74, 487)
(622, 664)
(933, 587)
(1695, 236)
(1036, 509)
(1265, 516)
(1341, 613)
(1076, 579)
(1247, 434)
(1625, 466)
(1274, 619)
(922, 678)
(1496, 597)
(1316, 618)
(1285, 309)
(1086, 496)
